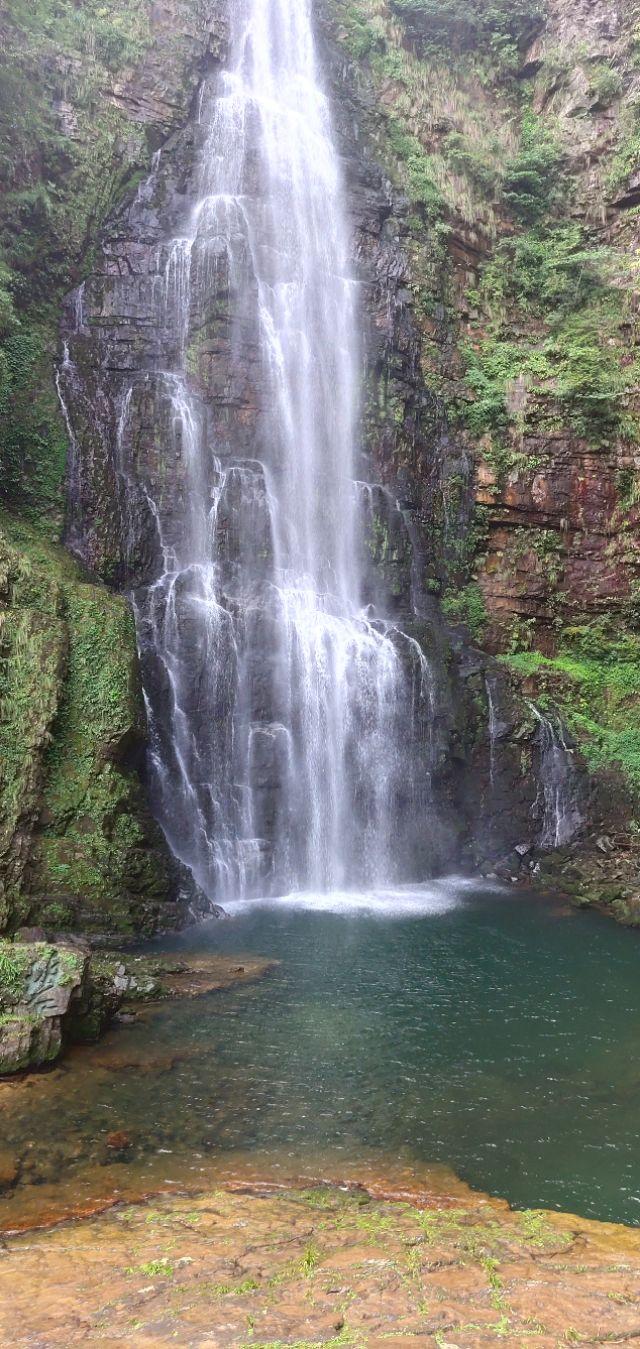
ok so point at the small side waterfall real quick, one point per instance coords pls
(561, 815)
(494, 727)
(291, 717)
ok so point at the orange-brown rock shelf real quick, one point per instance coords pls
(254, 1267)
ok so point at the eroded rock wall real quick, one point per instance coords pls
(125, 456)
(507, 468)
(510, 138)
(87, 96)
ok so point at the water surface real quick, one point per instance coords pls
(495, 1033)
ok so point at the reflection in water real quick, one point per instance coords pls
(491, 1033)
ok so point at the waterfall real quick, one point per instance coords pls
(494, 731)
(66, 376)
(291, 717)
(561, 815)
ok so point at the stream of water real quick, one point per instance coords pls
(283, 710)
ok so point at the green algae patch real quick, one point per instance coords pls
(71, 732)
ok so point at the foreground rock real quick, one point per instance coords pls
(328, 1266)
(151, 978)
(39, 985)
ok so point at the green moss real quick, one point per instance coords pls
(14, 964)
(71, 721)
(93, 842)
(467, 606)
(21, 967)
(33, 443)
(32, 651)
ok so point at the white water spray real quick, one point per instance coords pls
(562, 817)
(287, 713)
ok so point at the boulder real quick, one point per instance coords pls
(39, 983)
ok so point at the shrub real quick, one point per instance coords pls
(531, 179)
(605, 84)
(467, 606)
(500, 26)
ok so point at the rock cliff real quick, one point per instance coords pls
(86, 98)
(509, 134)
(491, 157)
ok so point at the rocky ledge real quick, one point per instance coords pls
(60, 992)
(251, 1267)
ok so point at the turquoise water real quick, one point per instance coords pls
(495, 1033)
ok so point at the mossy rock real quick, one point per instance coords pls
(39, 982)
(74, 823)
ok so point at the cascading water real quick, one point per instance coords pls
(561, 814)
(284, 711)
(494, 729)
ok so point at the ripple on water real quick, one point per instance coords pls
(475, 1031)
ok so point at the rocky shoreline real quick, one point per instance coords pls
(57, 993)
(253, 1265)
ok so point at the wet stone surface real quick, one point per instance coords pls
(327, 1266)
(445, 1025)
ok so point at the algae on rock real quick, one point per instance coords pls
(77, 844)
(38, 983)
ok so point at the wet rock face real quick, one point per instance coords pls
(113, 322)
(412, 1268)
(118, 325)
(558, 526)
(39, 983)
(562, 529)
(158, 300)
(130, 465)
(59, 993)
(563, 523)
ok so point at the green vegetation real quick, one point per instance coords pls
(309, 1260)
(418, 167)
(14, 963)
(497, 26)
(536, 1228)
(467, 606)
(605, 83)
(63, 166)
(153, 1269)
(552, 348)
(441, 140)
(70, 717)
(58, 62)
(595, 682)
(569, 366)
(530, 182)
(627, 153)
(33, 442)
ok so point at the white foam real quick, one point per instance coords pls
(405, 901)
